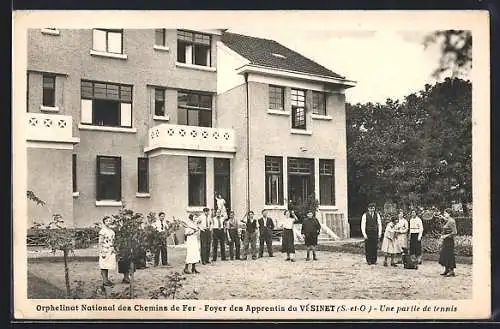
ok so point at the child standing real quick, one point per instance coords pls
(310, 230)
(390, 245)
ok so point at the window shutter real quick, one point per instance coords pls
(99, 40)
(119, 178)
(126, 115)
(86, 108)
(189, 54)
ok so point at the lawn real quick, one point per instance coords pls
(335, 275)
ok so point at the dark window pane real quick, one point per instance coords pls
(276, 98)
(49, 91)
(181, 52)
(184, 35)
(318, 103)
(108, 178)
(193, 100)
(206, 101)
(112, 91)
(126, 94)
(160, 37)
(205, 118)
(201, 55)
(193, 118)
(182, 99)
(100, 90)
(87, 90)
(197, 181)
(105, 112)
(298, 118)
(182, 116)
(159, 101)
(274, 180)
(73, 163)
(142, 175)
(202, 39)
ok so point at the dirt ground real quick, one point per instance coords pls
(334, 276)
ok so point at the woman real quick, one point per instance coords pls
(192, 233)
(287, 242)
(310, 230)
(447, 254)
(416, 232)
(401, 233)
(390, 246)
(107, 255)
(221, 205)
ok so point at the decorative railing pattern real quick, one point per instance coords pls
(192, 138)
(49, 127)
(337, 223)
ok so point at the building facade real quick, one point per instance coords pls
(161, 120)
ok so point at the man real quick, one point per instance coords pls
(251, 226)
(233, 228)
(371, 228)
(266, 226)
(218, 236)
(161, 225)
(205, 221)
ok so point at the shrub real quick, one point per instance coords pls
(431, 244)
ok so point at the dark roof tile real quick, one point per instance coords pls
(260, 52)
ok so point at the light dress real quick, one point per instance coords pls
(401, 233)
(192, 244)
(390, 244)
(221, 205)
(107, 254)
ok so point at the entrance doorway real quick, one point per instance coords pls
(222, 181)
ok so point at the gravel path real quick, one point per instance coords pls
(333, 276)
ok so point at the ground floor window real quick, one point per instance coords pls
(222, 180)
(326, 182)
(274, 180)
(300, 179)
(143, 175)
(108, 178)
(197, 177)
(73, 165)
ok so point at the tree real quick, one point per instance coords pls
(456, 51)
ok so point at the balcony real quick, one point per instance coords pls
(54, 128)
(192, 140)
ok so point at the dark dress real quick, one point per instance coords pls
(310, 229)
(447, 254)
(287, 241)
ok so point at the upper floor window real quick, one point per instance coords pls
(194, 109)
(49, 90)
(106, 104)
(298, 100)
(159, 102)
(108, 40)
(318, 103)
(193, 48)
(108, 178)
(160, 37)
(276, 98)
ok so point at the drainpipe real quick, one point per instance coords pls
(248, 141)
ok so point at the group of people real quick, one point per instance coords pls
(404, 237)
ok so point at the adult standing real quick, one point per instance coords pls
(251, 226)
(233, 227)
(266, 226)
(161, 225)
(371, 228)
(218, 236)
(107, 255)
(205, 235)
(401, 232)
(447, 254)
(192, 232)
(287, 242)
(416, 232)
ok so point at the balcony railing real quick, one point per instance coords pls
(180, 137)
(50, 128)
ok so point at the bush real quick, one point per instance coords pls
(83, 237)
(432, 244)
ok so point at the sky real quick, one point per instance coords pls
(385, 64)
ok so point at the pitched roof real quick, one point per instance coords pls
(271, 54)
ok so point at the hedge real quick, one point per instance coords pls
(84, 237)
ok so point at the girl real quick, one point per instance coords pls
(107, 255)
(401, 232)
(389, 245)
(447, 254)
(287, 243)
(416, 231)
(221, 204)
(192, 233)
(310, 230)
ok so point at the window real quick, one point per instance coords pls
(274, 180)
(107, 40)
(318, 103)
(73, 164)
(106, 104)
(49, 90)
(194, 109)
(327, 182)
(108, 178)
(300, 179)
(298, 109)
(197, 181)
(193, 48)
(143, 175)
(276, 96)
(160, 37)
(160, 102)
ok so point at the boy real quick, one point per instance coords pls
(310, 231)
